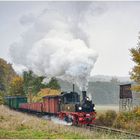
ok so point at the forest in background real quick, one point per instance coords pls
(12, 84)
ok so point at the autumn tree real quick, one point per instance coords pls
(6, 74)
(27, 81)
(16, 86)
(135, 73)
(53, 83)
(1, 97)
(34, 83)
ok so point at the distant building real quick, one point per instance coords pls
(128, 98)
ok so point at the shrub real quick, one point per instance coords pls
(120, 121)
(128, 120)
(136, 111)
(107, 119)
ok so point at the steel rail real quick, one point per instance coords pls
(108, 129)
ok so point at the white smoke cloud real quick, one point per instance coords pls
(27, 19)
(56, 45)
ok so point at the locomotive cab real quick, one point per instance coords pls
(68, 101)
(71, 102)
(69, 98)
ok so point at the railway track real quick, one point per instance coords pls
(113, 130)
(103, 128)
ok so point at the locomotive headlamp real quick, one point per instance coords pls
(94, 108)
(87, 99)
(80, 108)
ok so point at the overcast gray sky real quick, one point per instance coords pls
(112, 29)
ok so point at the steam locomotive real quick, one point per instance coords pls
(66, 106)
(76, 111)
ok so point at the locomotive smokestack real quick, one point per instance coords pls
(73, 87)
(84, 94)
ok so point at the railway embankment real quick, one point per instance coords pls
(17, 125)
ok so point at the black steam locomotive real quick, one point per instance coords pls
(76, 111)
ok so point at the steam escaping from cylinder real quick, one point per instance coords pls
(56, 120)
(56, 45)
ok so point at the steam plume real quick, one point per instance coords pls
(57, 120)
(56, 43)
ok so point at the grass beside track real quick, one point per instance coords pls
(17, 125)
(35, 134)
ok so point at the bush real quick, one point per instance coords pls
(136, 111)
(120, 121)
(128, 120)
(107, 119)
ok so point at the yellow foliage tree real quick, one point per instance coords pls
(16, 86)
(135, 73)
(45, 92)
(6, 74)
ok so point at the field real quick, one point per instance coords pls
(103, 108)
(17, 125)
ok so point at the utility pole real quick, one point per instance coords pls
(30, 94)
